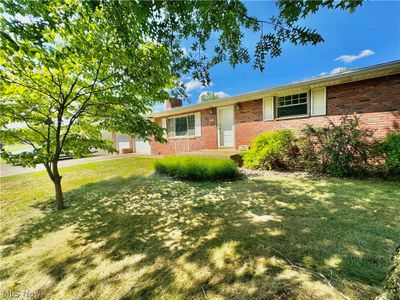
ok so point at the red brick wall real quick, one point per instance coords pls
(371, 95)
(381, 122)
(376, 100)
(207, 140)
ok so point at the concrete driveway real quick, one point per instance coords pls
(9, 170)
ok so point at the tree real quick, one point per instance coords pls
(209, 96)
(72, 82)
(72, 68)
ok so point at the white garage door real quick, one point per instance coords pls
(142, 146)
(123, 142)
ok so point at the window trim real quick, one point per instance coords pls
(182, 136)
(293, 116)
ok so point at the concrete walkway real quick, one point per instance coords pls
(9, 170)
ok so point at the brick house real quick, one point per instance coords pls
(231, 123)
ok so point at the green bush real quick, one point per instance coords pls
(391, 152)
(197, 168)
(272, 150)
(339, 150)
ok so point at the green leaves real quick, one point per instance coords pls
(340, 150)
(272, 150)
(170, 23)
(67, 76)
(292, 11)
(73, 68)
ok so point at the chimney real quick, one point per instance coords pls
(172, 103)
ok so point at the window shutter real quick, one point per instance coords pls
(268, 104)
(164, 125)
(197, 122)
(318, 101)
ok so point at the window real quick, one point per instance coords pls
(292, 105)
(181, 126)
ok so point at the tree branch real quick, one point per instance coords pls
(48, 93)
(31, 87)
(23, 140)
(56, 83)
(79, 94)
(83, 107)
(35, 130)
(70, 91)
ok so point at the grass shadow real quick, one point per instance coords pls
(151, 237)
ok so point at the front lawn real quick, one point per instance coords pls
(130, 236)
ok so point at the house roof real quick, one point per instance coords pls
(379, 70)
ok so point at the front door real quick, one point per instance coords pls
(226, 134)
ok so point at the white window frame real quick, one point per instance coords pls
(307, 114)
(182, 136)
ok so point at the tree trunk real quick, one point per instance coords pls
(57, 185)
(59, 194)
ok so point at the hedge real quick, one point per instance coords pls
(197, 168)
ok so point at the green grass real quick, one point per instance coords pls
(12, 148)
(197, 168)
(130, 236)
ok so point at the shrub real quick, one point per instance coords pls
(337, 149)
(272, 150)
(391, 151)
(197, 168)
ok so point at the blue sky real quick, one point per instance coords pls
(371, 35)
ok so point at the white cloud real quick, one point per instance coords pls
(220, 94)
(195, 84)
(351, 58)
(338, 70)
(323, 73)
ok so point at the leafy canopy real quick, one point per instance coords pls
(72, 68)
(66, 76)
